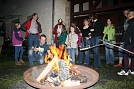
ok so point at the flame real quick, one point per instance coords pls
(61, 53)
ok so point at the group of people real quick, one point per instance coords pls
(91, 34)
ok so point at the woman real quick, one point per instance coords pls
(109, 36)
(85, 32)
(128, 40)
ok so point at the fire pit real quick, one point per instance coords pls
(31, 74)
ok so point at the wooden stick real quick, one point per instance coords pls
(47, 70)
(90, 47)
(118, 47)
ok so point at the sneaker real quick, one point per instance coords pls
(21, 61)
(122, 73)
(85, 64)
(131, 72)
(17, 63)
(118, 65)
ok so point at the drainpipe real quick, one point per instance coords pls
(53, 5)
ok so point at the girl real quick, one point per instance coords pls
(62, 36)
(71, 42)
(109, 36)
(85, 32)
(17, 42)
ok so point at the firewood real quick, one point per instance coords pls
(64, 71)
(47, 69)
(66, 83)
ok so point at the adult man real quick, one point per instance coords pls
(33, 30)
(39, 51)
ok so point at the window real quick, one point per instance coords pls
(85, 6)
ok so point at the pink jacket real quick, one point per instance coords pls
(15, 41)
(79, 39)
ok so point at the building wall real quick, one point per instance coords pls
(42, 7)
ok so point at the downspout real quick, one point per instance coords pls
(53, 5)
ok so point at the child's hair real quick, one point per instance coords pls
(16, 24)
(64, 29)
(74, 28)
(42, 35)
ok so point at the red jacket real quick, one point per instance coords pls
(55, 32)
(26, 26)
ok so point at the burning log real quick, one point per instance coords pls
(47, 69)
(64, 71)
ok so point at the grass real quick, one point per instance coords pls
(108, 79)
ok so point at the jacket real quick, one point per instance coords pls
(98, 28)
(74, 39)
(109, 31)
(62, 38)
(128, 36)
(26, 26)
(55, 33)
(17, 37)
(79, 42)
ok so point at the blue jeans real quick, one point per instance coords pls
(120, 53)
(96, 50)
(87, 53)
(32, 40)
(72, 52)
(18, 50)
(109, 53)
(35, 56)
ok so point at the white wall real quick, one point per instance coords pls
(42, 7)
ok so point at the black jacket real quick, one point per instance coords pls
(128, 36)
(98, 28)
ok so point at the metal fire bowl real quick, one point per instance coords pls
(92, 78)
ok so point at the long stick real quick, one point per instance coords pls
(118, 47)
(90, 47)
(108, 44)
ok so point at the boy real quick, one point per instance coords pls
(39, 51)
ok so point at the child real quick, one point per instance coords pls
(39, 51)
(17, 43)
(62, 36)
(71, 42)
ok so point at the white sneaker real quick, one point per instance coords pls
(131, 72)
(122, 72)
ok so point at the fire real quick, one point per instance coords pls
(62, 54)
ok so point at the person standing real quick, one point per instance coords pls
(33, 30)
(96, 35)
(57, 31)
(71, 42)
(2, 34)
(17, 41)
(128, 40)
(85, 32)
(109, 36)
(62, 37)
(120, 53)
